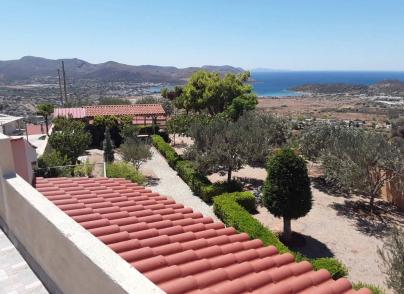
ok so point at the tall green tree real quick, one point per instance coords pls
(171, 94)
(354, 159)
(287, 192)
(108, 147)
(209, 92)
(45, 110)
(70, 138)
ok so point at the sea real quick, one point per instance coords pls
(278, 84)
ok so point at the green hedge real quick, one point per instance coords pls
(334, 266)
(233, 208)
(198, 182)
(166, 150)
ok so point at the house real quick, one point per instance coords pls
(25, 158)
(11, 125)
(142, 114)
(100, 235)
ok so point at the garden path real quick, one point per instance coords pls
(164, 180)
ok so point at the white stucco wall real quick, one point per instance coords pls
(72, 258)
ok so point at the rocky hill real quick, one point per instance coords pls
(330, 88)
(387, 87)
(31, 68)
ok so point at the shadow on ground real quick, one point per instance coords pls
(309, 246)
(328, 188)
(378, 224)
(152, 181)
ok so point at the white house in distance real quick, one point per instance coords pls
(11, 125)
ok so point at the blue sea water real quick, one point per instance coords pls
(279, 83)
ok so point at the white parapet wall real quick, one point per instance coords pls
(64, 255)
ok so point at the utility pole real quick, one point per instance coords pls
(60, 88)
(64, 80)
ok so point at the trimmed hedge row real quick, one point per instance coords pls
(198, 182)
(233, 209)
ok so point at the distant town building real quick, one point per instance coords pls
(11, 125)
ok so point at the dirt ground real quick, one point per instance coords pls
(337, 226)
(330, 107)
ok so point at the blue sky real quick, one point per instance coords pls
(280, 34)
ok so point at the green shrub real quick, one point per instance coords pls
(195, 180)
(83, 170)
(232, 210)
(50, 165)
(166, 150)
(124, 170)
(212, 190)
(334, 266)
(373, 288)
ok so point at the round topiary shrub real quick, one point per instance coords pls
(286, 190)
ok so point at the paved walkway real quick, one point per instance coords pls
(167, 182)
(16, 277)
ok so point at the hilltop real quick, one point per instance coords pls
(387, 87)
(30, 68)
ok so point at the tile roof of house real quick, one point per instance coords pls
(94, 110)
(135, 109)
(178, 249)
(76, 112)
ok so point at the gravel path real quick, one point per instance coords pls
(167, 182)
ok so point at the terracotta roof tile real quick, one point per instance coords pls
(179, 249)
(133, 110)
(77, 112)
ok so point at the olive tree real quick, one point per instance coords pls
(287, 192)
(392, 255)
(218, 146)
(135, 152)
(354, 159)
(225, 145)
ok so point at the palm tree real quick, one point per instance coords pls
(45, 110)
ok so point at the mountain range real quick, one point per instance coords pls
(30, 68)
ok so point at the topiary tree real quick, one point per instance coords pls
(108, 146)
(287, 191)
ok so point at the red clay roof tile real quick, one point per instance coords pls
(179, 249)
(133, 110)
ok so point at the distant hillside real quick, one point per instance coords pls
(387, 87)
(330, 88)
(30, 68)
